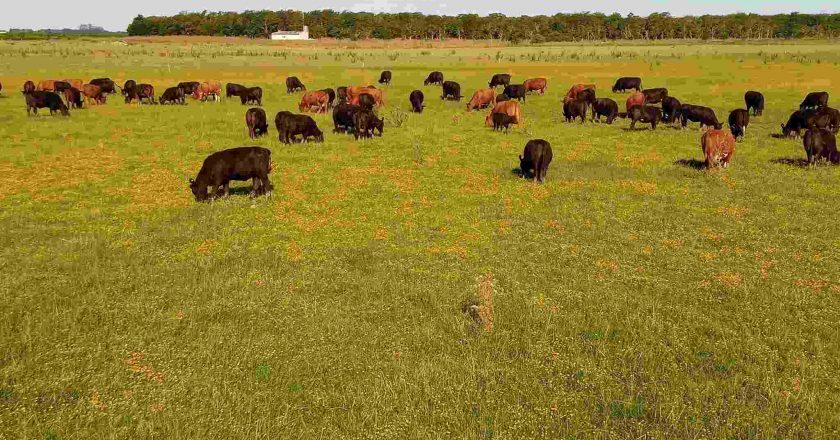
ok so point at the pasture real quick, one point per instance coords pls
(633, 295)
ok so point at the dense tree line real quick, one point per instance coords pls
(559, 27)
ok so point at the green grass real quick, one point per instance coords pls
(630, 296)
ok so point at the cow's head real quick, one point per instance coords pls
(524, 166)
(199, 191)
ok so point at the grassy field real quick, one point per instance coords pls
(630, 296)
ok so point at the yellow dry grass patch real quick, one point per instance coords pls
(580, 148)
(154, 189)
(476, 183)
(642, 187)
(729, 279)
(732, 211)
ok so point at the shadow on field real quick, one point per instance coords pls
(791, 162)
(778, 136)
(691, 163)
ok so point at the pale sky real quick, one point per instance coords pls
(116, 15)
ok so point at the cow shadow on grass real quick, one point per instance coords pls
(779, 136)
(791, 162)
(691, 163)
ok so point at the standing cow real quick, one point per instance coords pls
(819, 144)
(256, 122)
(627, 83)
(434, 78)
(536, 85)
(416, 99)
(385, 77)
(755, 102)
(241, 164)
(293, 85)
(451, 91)
(739, 119)
(718, 147)
(535, 159)
(499, 79)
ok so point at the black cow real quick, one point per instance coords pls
(41, 99)
(819, 144)
(654, 96)
(502, 121)
(575, 109)
(416, 99)
(233, 89)
(256, 121)
(365, 121)
(499, 79)
(61, 86)
(755, 102)
(241, 164)
(342, 94)
(107, 85)
(814, 100)
(293, 84)
(343, 117)
(646, 114)
(251, 95)
(697, 113)
(173, 95)
(331, 94)
(434, 78)
(385, 77)
(73, 97)
(290, 125)
(670, 109)
(367, 101)
(587, 96)
(451, 91)
(627, 83)
(804, 119)
(502, 98)
(129, 88)
(604, 107)
(535, 159)
(738, 121)
(515, 91)
(831, 117)
(189, 86)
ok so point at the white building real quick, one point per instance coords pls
(291, 35)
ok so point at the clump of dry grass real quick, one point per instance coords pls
(480, 308)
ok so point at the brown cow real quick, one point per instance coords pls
(353, 94)
(76, 83)
(635, 98)
(572, 94)
(208, 88)
(510, 108)
(482, 98)
(46, 85)
(93, 94)
(318, 99)
(536, 85)
(718, 147)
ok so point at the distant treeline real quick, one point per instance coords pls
(559, 27)
(46, 34)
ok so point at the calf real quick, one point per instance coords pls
(233, 89)
(434, 78)
(173, 95)
(107, 85)
(738, 121)
(41, 99)
(697, 113)
(73, 97)
(251, 95)
(655, 96)
(289, 126)
(814, 100)
(343, 117)
(293, 84)
(536, 85)
(256, 121)
(575, 109)
(241, 164)
(604, 107)
(627, 83)
(385, 77)
(93, 94)
(416, 99)
(499, 79)
(482, 98)
(718, 147)
(331, 95)
(515, 91)
(510, 108)
(820, 144)
(755, 102)
(502, 121)
(645, 114)
(535, 159)
(365, 121)
(670, 109)
(451, 91)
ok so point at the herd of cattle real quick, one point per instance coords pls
(354, 110)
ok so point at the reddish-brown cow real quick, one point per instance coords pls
(354, 92)
(718, 147)
(635, 98)
(510, 108)
(482, 98)
(572, 94)
(208, 88)
(319, 100)
(536, 85)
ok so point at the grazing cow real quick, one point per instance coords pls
(46, 86)
(129, 88)
(289, 126)
(670, 109)
(510, 108)
(73, 97)
(819, 144)
(575, 109)
(502, 121)
(502, 98)
(435, 78)
(331, 94)
(804, 119)
(353, 94)
(604, 107)
(173, 95)
(646, 114)
(830, 117)
(738, 121)
(515, 91)
(241, 164)
(536, 85)
(233, 89)
(93, 94)
(755, 102)
(814, 100)
(257, 123)
(141, 92)
(499, 79)
(576, 89)
(342, 94)
(718, 147)
(41, 99)
(107, 85)
(385, 77)
(212, 89)
(451, 91)
(535, 159)
(366, 101)
(252, 95)
(655, 96)
(416, 99)
(293, 84)
(482, 98)
(75, 83)
(635, 98)
(627, 83)
(697, 113)
(189, 86)
(343, 117)
(28, 87)
(364, 122)
(315, 99)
